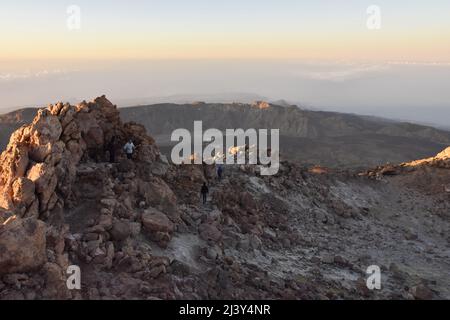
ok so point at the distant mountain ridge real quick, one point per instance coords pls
(291, 121)
(313, 137)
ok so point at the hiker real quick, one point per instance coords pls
(204, 191)
(112, 150)
(219, 173)
(129, 149)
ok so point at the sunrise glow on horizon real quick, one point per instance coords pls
(325, 29)
(376, 57)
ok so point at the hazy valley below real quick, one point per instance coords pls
(401, 90)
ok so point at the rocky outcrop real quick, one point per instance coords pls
(22, 245)
(38, 170)
(441, 160)
(39, 163)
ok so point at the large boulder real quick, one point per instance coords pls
(157, 226)
(22, 245)
(157, 192)
(120, 230)
(154, 220)
(209, 232)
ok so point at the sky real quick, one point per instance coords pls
(199, 29)
(322, 53)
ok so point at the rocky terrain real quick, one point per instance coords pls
(137, 228)
(312, 137)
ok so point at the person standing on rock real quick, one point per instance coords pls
(129, 149)
(219, 172)
(204, 191)
(112, 150)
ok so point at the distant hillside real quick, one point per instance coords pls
(9, 122)
(292, 121)
(313, 137)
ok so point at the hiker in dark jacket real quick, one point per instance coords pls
(112, 150)
(220, 172)
(204, 191)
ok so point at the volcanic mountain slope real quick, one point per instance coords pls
(313, 137)
(136, 228)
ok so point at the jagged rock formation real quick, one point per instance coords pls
(39, 168)
(39, 163)
(136, 228)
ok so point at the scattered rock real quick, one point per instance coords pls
(120, 230)
(422, 292)
(209, 232)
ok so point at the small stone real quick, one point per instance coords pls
(120, 231)
(421, 292)
(209, 232)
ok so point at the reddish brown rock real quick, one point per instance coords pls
(120, 230)
(421, 292)
(154, 220)
(157, 226)
(23, 191)
(209, 232)
(22, 245)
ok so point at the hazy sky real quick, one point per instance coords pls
(320, 52)
(331, 29)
